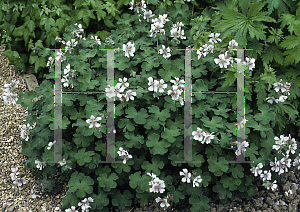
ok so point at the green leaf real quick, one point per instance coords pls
(252, 190)
(121, 201)
(133, 140)
(159, 147)
(150, 62)
(199, 203)
(216, 122)
(138, 117)
(251, 150)
(217, 167)
(107, 182)
(109, 23)
(85, 54)
(84, 157)
(229, 182)
(222, 110)
(289, 19)
(101, 14)
(289, 109)
(155, 166)
(170, 134)
(80, 184)
(163, 115)
(238, 24)
(26, 100)
(237, 171)
(126, 124)
(225, 139)
(292, 43)
(111, 9)
(272, 52)
(223, 192)
(265, 116)
(139, 183)
(153, 122)
(200, 109)
(125, 20)
(269, 75)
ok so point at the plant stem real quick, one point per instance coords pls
(193, 10)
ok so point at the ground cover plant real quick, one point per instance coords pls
(149, 117)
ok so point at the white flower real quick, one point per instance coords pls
(202, 51)
(151, 175)
(282, 98)
(271, 99)
(207, 138)
(164, 51)
(233, 44)
(124, 153)
(92, 121)
(130, 95)
(210, 48)
(153, 84)
(51, 144)
(198, 135)
(258, 169)
(266, 175)
(177, 33)
(223, 62)
(124, 83)
(274, 185)
(129, 49)
(148, 15)
(19, 181)
(119, 90)
(71, 210)
(275, 165)
(65, 80)
(196, 181)
(14, 174)
(241, 124)
(39, 165)
(10, 98)
(157, 186)
(161, 86)
(177, 81)
(292, 148)
(110, 91)
(163, 202)
(187, 176)
(251, 63)
(278, 86)
(214, 38)
(174, 93)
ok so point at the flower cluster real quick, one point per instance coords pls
(25, 131)
(9, 97)
(85, 205)
(15, 177)
(279, 166)
(279, 86)
(159, 85)
(159, 185)
(204, 137)
(125, 154)
(118, 89)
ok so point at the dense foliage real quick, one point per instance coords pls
(151, 129)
